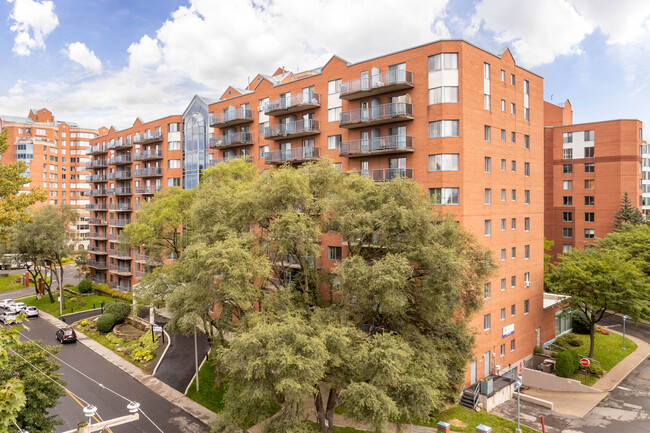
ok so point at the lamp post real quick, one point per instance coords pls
(625, 317)
(518, 388)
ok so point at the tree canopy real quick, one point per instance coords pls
(627, 213)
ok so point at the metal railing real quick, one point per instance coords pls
(120, 206)
(147, 154)
(216, 161)
(119, 175)
(96, 264)
(119, 253)
(97, 221)
(228, 139)
(377, 112)
(377, 144)
(120, 269)
(147, 137)
(95, 192)
(96, 206)
(120, 159)
(96, 250)
(96, 235)
(119, 222)
(150, 189)
(101, 162)
(99, 148)
(289, 128)
(147, 171)
(386, 174)
(121, 191)
(98, 178)
(230, 115)
(295, 154)
(376, 81)
(293, 101)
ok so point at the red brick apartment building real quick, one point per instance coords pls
(589, 167)
(55, 153)
(466, 124)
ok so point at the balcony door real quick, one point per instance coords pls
(364, 111)
(364, 168)
(308, 93)
(397, 73)
(374, 77)
(365, 83)
(375, 140)
(308, 121)
(229, 113)
(285, 151)
(365, 141)
(285, 100)
(396, 167)
(398, 137)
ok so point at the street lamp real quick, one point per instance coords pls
(518, 388)
(624, 319)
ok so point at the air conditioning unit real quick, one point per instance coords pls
(526, 283)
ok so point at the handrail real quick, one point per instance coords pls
(292, 101)
(377, 112)
(377, 80)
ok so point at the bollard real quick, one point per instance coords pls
(444, 427)
(483, 429)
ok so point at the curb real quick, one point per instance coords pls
(162, 389)
(641, 345)
(187, 388)
(169, 343)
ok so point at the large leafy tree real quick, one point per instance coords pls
(627, 213)
(384, 331)
(633, 242)
(13, 205)
(598, 280)
(12, 389)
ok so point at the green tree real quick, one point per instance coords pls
(12, 388)
(13, 205)
(633, 242)
(627, 213)
(596, 281)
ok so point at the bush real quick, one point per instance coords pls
(538, 350)
(595, 369)
(105, 323)
(119, 310)
(568, 341)
(84, 322)
(580, 323)
(104, 289)
(85, 286)
(567, 363)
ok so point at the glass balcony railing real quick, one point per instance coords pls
(292, 104)
(148, 138)
(299, 128)
(231, 140)
(386, 174)
(119, 175)
(120, 159)
(298, 154)
(377, 145)
(377, 84)
(120, 207)
(376, 115)
(231, 118)
(144, 155)
(147, 172)
(119, 222)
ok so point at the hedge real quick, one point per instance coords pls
(104, 289)
(567, 363)
(119, 310)
(85, 286)
(105, 323)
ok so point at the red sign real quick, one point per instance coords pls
(584, 362)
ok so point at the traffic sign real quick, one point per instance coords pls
(584, 362)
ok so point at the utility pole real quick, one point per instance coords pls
(196, 361)
(90, 411)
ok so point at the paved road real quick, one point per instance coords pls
(177, 367)
(167, 416)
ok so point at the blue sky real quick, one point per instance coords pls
(106, 62)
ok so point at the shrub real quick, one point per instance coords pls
(554, 354)
(84, 322)
(595, 369)
(105, 323)
(85, 286)
(538, 350)
(119, 310)
(104, 289)
(602, 331)
(112, 338)
(567, 363)
(569, 340)
(580, 323)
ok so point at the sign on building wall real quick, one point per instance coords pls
(508, 330)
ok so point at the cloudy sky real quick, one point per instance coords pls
(105, 62)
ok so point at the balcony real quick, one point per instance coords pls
(119, 175)
(377, 115)
(377, 146)
(386, 174)
(124, 271)
(384, 82)
(96, 192)
(120, 207)
(97, 264)
(299, 128)
(147, 172)
(120, 144)
(119, 222)
(97, 150)
(230, 118)
(298, 154)
(121, 191)
(216, 161)
(97, 236)
(120, 255)
(96, 206)
(148, 138)
(148, 155)
(98, 178)
(120, 159)
(97, 222)
(231, 140)
(293, 104)
(149, 189)
(97, 250)
(115, 237)
(97, 163)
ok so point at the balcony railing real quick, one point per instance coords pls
(121, 191)
(148, 138)
(377, 145)
(119, 222)
(98, 280)
(97, 149)
(149, 189)
(299, 128)
(97, 250)
(120, 207)
(114, 237)
(96, 163)
(97, 235)
(293, 104)
(98, 178)
(147, 172)
(216, 161)
(96, 264)
(122, 255)
(120, 159)
(231, 140)
(119, 144)
(97, 221)
(145, 155)
(376, 115)
(386, 174)
(120, 269)
(231, 118)
(298, 154)
(95, 192)
(96, 206)
(123, 174)
(389, 81)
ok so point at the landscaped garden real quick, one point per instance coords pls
(7, 283)
(73, 302)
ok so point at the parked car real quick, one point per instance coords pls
(66, 335)
(8, 318)
(5, 303)
(16, 307)
(29, 311)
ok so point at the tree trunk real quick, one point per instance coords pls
(592, 339)
(325, 426)
(332, 401)
(60, 278)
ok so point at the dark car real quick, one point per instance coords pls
(66, 335)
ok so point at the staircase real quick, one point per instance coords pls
(469, 398)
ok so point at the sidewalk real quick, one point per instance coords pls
(155, 385)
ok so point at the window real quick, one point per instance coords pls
(488, 164)
(488, 196)
(512, 345)
(590, 233)
(526, 141)
(526, 196)
(513, 223)
(443, 128)
(567, 200)
(589, 152)
(567, 217)
(503, 350)
(567, 153)
(512, 79)
(443, 61)
(486, 71)
(333, 142)
(567, 232)
(486, 102)
(513, 252)
(334, 254)
(527, 114)
(527, 224)
(442, 95)
(503, 75)
(487, 291)
(526, 252)
(444, 196)
(567, 185)
(567, 168)
(173, 127)
(527, 169)
(513, 281)
(513, 166)
(567, 248)
(503, 224)
(503, 314)
(503, 135)
(486, 322)
(334, 114)
(590, 217)
(263, 150)
(174, 163)
(526, 307)
(567, 137)
(174, 181)
(589, 184)
(512, 108)
(503, 165)
(503, 105)
(443, 162)
(487, 133)
(589, 200)
(488, 228)
(513, 310)
(589, 167)
(337, 166)
(513, 195)
(334, 87)
(503, 254)
(589, 135)
(503, 195)
(503, 284)
(174, 145)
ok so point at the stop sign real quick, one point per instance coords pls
(584, 362)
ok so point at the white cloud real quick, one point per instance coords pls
(78, 52)
(143, 53)
(622, 22)
(17, 88)
(32, 22)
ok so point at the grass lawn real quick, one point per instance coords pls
(71, 306)
(607, 349)
(463, 419)
(7, 284)
(315, 427)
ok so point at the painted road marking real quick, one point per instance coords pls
(624, 388)
(80, 404)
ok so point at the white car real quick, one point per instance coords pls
(17, 306)
(29, 311)
(5, 303)
(7, 318)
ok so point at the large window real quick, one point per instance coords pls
(334, 114)
(443, 61)
(488, 228)
(567, 185)
(567, 153)
(444, 196)
(174, 145)
(567, 232)
(590, 233)
(589, 152)
(334, 254)
(443, 128)
(174, 163)
(488, 164)
(590, 217)
(443, 95)
(589, 167)
(589, 200)
(443, 162)
(333, 142)
(334, 87)
(589, 184)
(567, 168)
